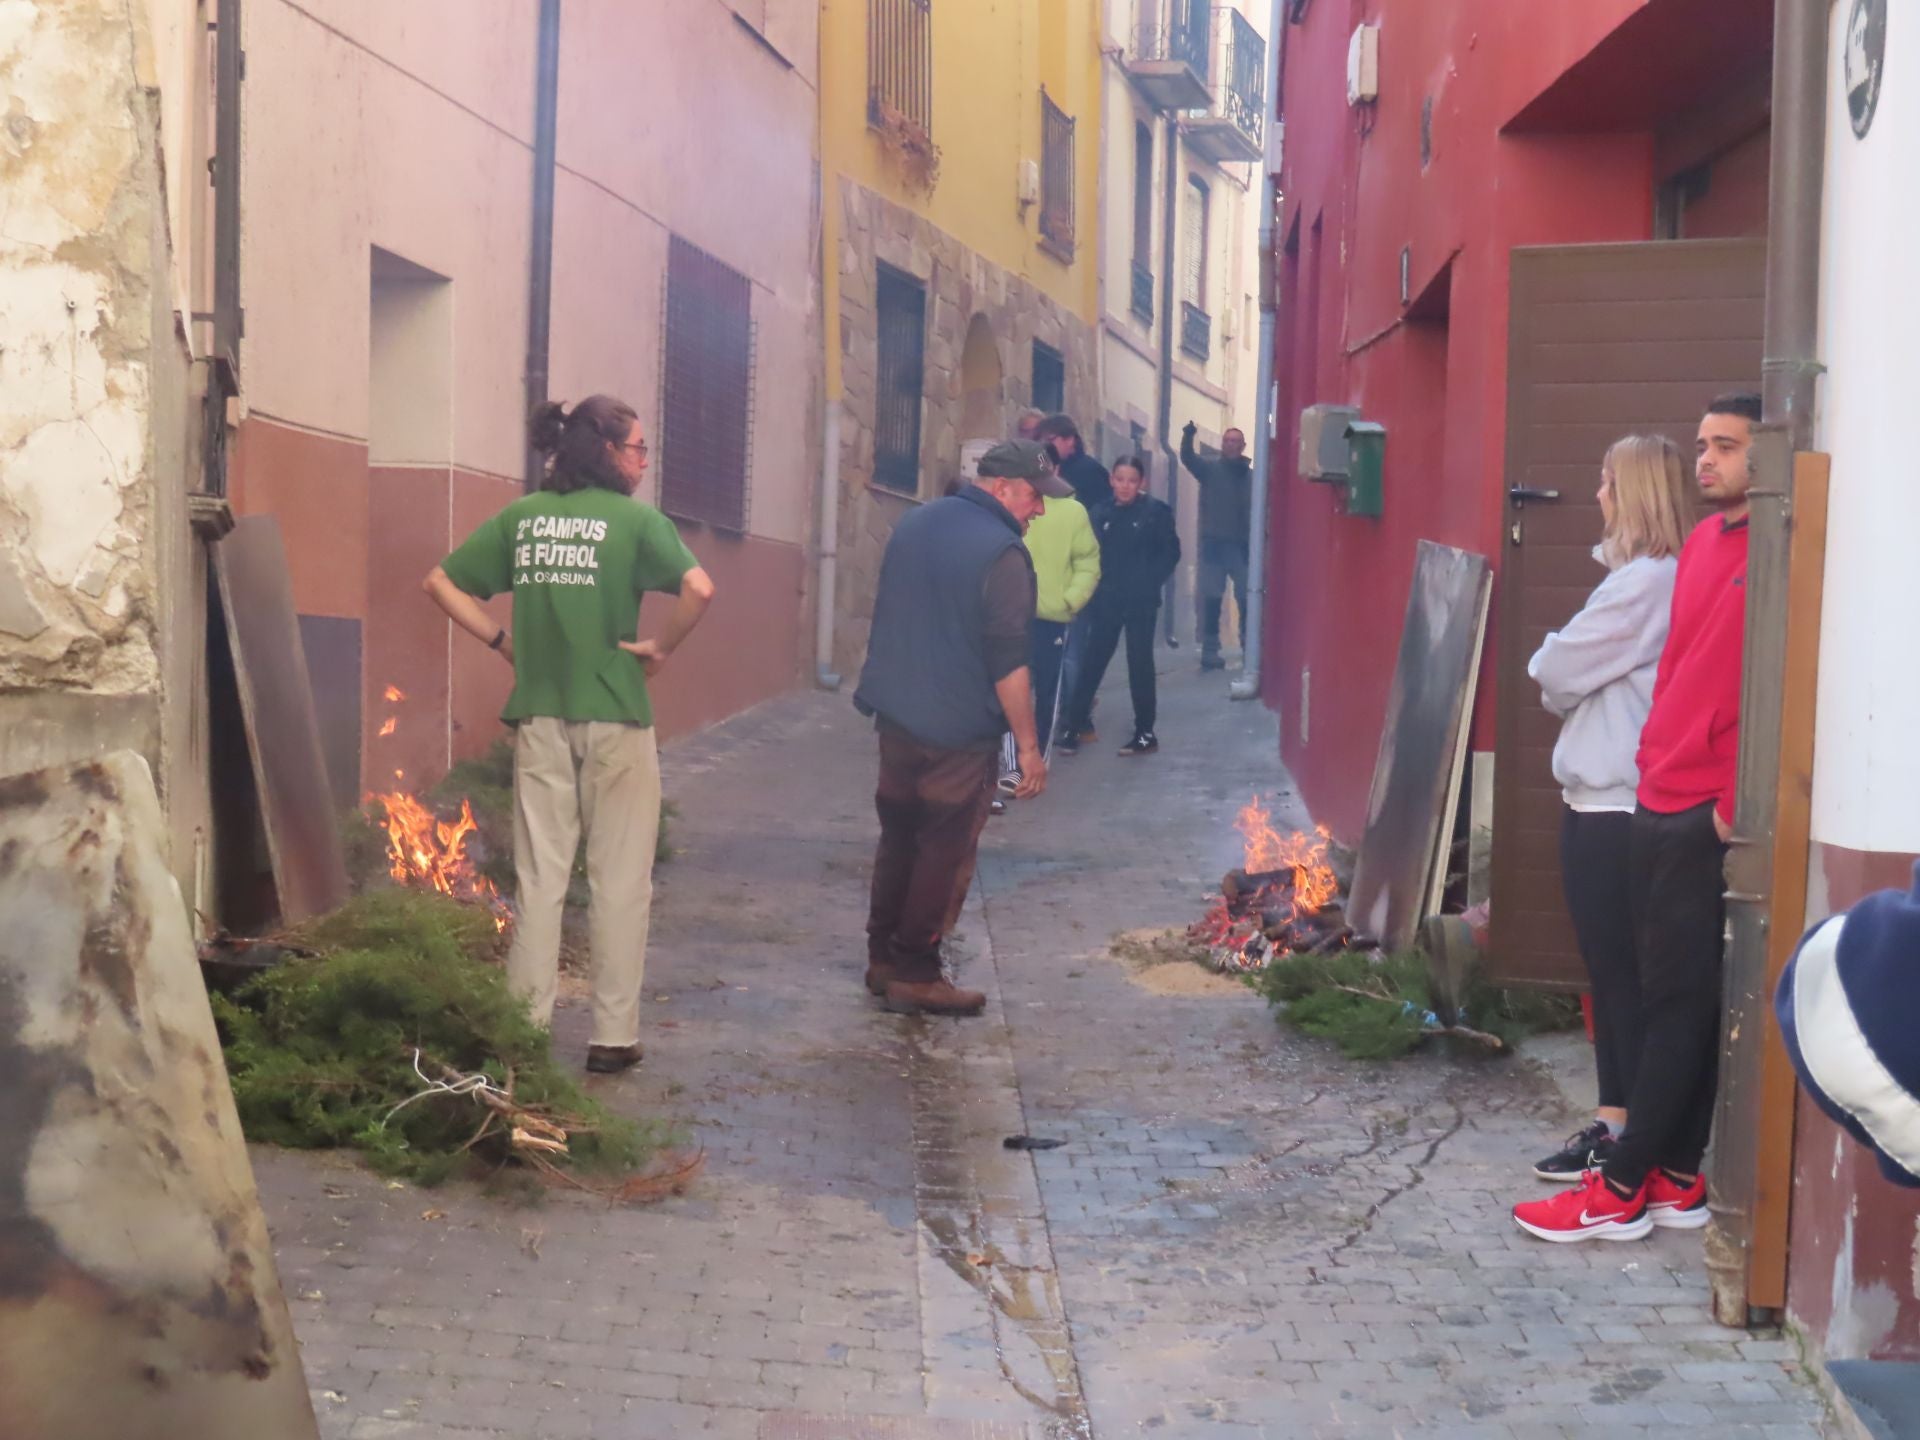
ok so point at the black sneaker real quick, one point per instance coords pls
(1067, 745)
(1141, 744)
(1212, 662)
(1587, 1150)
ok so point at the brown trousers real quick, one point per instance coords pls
(932, 806)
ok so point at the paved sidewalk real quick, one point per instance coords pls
(1243, 1236)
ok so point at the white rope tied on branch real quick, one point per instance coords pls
(474, 1084)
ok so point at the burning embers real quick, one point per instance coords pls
(1284, 899)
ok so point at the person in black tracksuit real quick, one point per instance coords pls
(1139, 551)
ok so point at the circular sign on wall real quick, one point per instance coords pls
(1866, 57)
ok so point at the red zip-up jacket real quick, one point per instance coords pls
(1690, 747)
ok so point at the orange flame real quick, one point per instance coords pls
(1304, 854)
(388, 728)
(394, 695)
(429, 853)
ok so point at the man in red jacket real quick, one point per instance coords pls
(1688, 755)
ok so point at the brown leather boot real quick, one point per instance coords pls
(880, 974)
(932, 997)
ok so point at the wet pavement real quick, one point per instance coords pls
(1240, 1234)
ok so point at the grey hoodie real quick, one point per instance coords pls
(1598, 673)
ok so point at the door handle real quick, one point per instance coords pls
(1520, 494)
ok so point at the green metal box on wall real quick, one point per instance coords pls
(1366, 457)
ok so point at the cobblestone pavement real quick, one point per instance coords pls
(1242, 1236)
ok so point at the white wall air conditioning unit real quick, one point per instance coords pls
(1363, 65)
(1029, 182)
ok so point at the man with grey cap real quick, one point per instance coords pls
(947, 675)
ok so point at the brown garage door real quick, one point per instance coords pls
(1604, 341)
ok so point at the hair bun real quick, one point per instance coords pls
(546, 426)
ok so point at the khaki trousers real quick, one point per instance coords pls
(606, 778)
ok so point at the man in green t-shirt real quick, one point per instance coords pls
(578, 555)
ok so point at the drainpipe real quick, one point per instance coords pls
(1746, 1247)
(1169, 224)
(1252, 626)
(824, 675)
(540, 278)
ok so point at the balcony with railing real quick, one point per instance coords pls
(1172, 50)
(1233, 129)
(1143, 294)
(900, 65)
(1196, 331)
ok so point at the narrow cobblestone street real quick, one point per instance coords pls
(1243, 1235)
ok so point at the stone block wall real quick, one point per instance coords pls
(960, 286)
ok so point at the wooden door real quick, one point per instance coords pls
(1603, 341)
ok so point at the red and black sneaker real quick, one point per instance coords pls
(1673, 1206)
(1588, 1211)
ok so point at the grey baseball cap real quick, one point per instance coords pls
(1024, 460)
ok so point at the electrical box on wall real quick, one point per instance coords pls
(1363, 65)
(1323, 441)
(1366, 459)
(1029, 182)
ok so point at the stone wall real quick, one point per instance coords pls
(960, 286)
(100, 584)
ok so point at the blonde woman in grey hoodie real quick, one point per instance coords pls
(1597, 675)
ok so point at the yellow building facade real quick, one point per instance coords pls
(960, 207)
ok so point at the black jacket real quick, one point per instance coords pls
(1088, 476)
(1226, 493)
(927, 668)
(1139, 550)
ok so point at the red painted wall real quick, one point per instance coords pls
(1355, 193)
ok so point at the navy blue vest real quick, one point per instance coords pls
(926, 669)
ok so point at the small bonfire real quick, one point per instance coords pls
(1283, 899)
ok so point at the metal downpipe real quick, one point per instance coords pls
(1252, 623)
(540, 268)
(826, 588)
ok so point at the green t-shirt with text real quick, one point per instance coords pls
(578, 565)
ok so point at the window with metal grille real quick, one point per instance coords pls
(900, 306)
(900, 62)
(1193, 267)
(1196, 325)
(706, 400)
(1142, 296)
(1049, 379)
(1056, 176)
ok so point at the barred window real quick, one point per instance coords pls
(1056, 176)
(900, 62)
(901, 308)
(706, 405)
(1049, 379)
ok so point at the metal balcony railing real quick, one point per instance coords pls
(1243, 99)
(1143, 293)
(1233, 128)
(1196, 331)
(1172, 53)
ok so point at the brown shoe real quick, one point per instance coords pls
(932, 997)
(880, 975)
(612, 1059)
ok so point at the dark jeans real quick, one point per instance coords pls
(1072, 663)
(932, 806)
(1221, 560)
(1594, 868)
(1676, 877)
(1103, 639)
